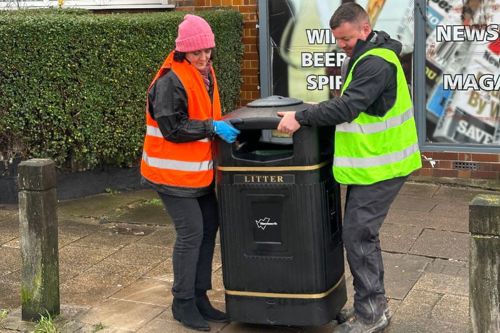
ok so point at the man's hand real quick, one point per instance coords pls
(288, 124)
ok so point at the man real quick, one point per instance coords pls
(376, 149)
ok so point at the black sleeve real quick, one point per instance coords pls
(168, 106)
(371, 77)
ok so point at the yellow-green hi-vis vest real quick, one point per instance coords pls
(370, 148)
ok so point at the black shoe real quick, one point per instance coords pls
(185, 311)
(354, 325)
(208, 311)
(346, 314)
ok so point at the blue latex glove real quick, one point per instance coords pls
(226, 131)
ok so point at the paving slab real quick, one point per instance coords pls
(452, 309)
(14, 323)
(63, 320)
(161, 325)
(449, 267)
(138, 254)
(107, 236)
(10, 290)
(449, 223)
(414, 203)
(418, 304)
(144, 194)
(425, 190)
(415, 315)
(73, 263)
(120, 314)
(398, 238)
(10, 229)
(162, 237)
(457, 210)
(97, 206)
(424, 325)
(401, 216)
(217, 293)
(99, 282)
(148, 212)
(402, 272)
(459, 194)
(147, 291)
(165, 322)
(443, 284)
(217, 260)
(76, 228)
(442, 244)
(10, 260)
(7, 211)
(162, 271)
(13, 244)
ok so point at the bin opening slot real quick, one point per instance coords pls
(263, 145)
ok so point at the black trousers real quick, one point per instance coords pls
(196, 222)
(365, 210)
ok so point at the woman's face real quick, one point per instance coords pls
(200, 58)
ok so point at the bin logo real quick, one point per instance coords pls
(263, 223)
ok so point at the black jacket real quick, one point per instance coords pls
(168, 106)
(372, 88)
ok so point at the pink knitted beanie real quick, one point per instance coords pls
(194, 34)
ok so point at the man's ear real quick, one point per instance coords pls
(366, 29)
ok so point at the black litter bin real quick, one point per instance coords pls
(281, 242)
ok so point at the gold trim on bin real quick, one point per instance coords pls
(279, 295)
(276, 168)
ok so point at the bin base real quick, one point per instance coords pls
(289, 311)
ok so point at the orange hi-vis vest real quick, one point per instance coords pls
(187, 164)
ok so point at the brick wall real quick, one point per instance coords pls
(250, 68)
(483, 168)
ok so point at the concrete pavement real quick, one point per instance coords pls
(115, 265)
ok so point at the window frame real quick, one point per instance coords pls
(89, 4)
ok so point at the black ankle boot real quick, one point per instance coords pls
(185, 311)
(208, 311)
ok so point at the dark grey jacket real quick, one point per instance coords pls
(372, 89)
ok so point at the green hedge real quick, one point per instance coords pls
(73, 84)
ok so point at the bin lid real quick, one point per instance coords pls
(274, 101)
(262, 113)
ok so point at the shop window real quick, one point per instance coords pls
(463, 72)
(305, 59)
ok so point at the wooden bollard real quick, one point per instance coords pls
(39, 239)
(484, 264)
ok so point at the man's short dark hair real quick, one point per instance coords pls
(348, 12)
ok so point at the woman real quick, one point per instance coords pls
(182, 115)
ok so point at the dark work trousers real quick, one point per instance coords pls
(196, 222)
(365, 210)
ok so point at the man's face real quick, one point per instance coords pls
(347, 34)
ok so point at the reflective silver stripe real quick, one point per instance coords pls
(155, 131)
(177, 165)
(375, 127)
(366, 162)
